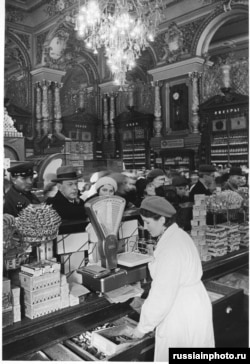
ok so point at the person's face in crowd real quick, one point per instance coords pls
(159, 181)
(23, 184)
(150, 189)
(182, 191)
(127, 185)
(154, 227)
(106, 190)
(209, 181)
(243, 181)
(194, 178)
(69, 189)
(235, 181)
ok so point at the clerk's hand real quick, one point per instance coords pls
(136, 333)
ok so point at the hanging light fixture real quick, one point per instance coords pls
(122, 27)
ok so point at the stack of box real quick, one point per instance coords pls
(198, 230)
(233, 235)
(217, 241)
(244, 234)
(7, 313)
(41, 286)
(64, 291)
(16, 303)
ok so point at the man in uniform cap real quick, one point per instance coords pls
(234, 180)
(206, 183)
(19, 195)
(66, 201)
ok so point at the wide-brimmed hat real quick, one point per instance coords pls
(155, 173)
(206, 168)
(235, 171)
(22, 169)
(179, 181)
(66, 173)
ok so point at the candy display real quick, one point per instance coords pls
(198, 231)
(233, 235)
(38, 223)
(223, 201)
(244, 234)
(217, 240)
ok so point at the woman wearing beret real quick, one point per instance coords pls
(178, 305)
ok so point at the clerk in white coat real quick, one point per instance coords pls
(178, 305)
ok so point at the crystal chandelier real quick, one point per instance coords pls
(122, 27)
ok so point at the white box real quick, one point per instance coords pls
(31, 283)
(73, 261)
(15, 295)
(16, 313)
(41, 295)
(102, 339)
(128, 229)
(43, 308)
(72, 243)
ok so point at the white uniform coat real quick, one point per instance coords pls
(178, 305)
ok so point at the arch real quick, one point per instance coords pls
(210, 26)
(83, 56)
(14, 38)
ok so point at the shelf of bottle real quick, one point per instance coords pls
(215, 145)
(225, 154)
(229, 161)
(176, 164)
(132, 158)
(237, 144)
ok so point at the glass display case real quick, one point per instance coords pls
(224, 123)
(134, 130)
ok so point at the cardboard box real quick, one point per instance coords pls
(15, 295)
(17, 313)
(73, 261)
(7, 317)
(42, 295)
(6, 286)
(103, 339)
(72, 243)
(30, 283)
(42, 308)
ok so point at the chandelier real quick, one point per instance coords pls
(123, 27)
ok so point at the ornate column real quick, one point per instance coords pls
(45, 111)
(157, 110)
(81, 97)
(111, 116)
(38, 109)
(226, 79)
(57, 109)
(105, 118)
(194, 77)
(131, 96)
(50, 109)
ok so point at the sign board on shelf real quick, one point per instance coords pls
(172, 143)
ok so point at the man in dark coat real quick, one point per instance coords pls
(234, 180)
(66, 201)
(19, 195)
(206, 182)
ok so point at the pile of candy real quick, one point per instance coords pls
(38, 223)
(222, 201)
